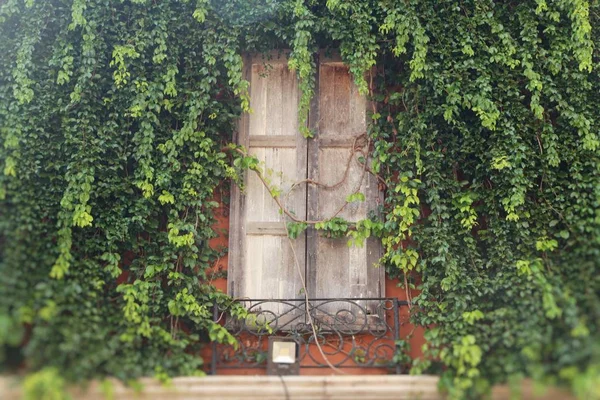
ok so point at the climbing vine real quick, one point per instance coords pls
(115, 124)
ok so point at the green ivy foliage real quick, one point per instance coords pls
(114, 121)
(488, 137)
(113, 116)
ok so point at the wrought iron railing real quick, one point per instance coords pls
(360, 333)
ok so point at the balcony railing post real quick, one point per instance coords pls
(213, 365)
(396, 311)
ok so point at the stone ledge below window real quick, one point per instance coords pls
(392, 387)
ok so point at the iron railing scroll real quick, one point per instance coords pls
(352, 333)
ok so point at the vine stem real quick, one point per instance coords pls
(307, 306)
(354, 151)
(407, 290)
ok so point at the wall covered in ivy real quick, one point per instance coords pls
(116, 119)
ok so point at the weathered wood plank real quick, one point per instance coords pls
(341, 125)
(236, 257)
(273, 108)
(266, 228)
(325, 101)
(347, 141)
(289, 107)
(312, 191)
(267, 266)
(258, 102)
(273, 141)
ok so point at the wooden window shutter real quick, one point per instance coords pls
(334, 269)
(261, 261)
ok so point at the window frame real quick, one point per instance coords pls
(237, 230)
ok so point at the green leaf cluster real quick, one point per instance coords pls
(113, 116)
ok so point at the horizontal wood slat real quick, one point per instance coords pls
(292, 141)
(344, 141)
(266, 228)
(273, 141)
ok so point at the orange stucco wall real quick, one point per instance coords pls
(414, 334)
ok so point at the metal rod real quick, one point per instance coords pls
(213, 365)
(396, 311)
(353, 299)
